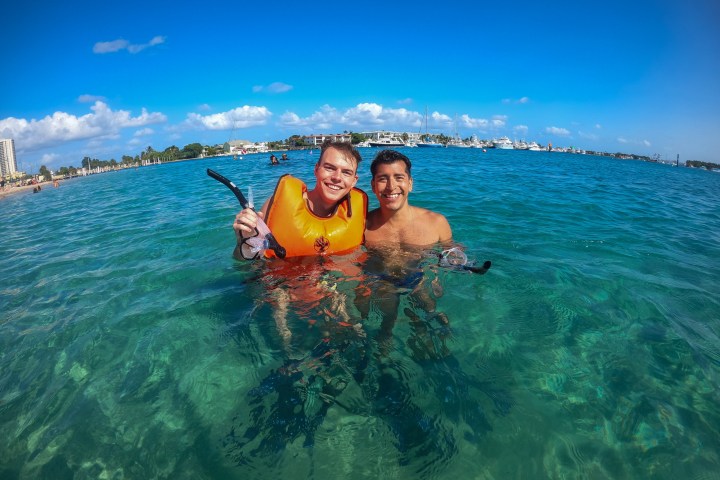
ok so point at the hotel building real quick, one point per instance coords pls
(8, 162)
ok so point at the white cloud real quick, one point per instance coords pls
(61, 127)
(275, 87)
(561, 132)
(520, 100)
(157, 40)
(405, 101)
(482, 124)
(143, 132)
(48, 158)
(372, 115)
(474, 123)
(598, 126)
(588, 136)
(110, 47)
(520, 129)
(122, 44)
(289, 119)
(241, 117)
(441, 120)
(645, 143)
(204, 107)
(90, 98)
(362, 116)
(498, 121)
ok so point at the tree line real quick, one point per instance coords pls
(697, 164)
(171, 154)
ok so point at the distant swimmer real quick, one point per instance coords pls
(274, 160)
(284, 157)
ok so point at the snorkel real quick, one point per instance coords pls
(263, 239)
(456, 258)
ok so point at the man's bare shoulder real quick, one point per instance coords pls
(435, 224)
(428, 215)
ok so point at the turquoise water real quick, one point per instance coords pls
(133, 346)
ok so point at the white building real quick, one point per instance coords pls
(334, 137)
(244, 146)
(8, 162)
(378, 134)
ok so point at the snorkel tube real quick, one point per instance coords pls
(263, 239)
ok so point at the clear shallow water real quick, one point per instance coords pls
(133, 346)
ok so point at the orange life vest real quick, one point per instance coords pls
(302, 233)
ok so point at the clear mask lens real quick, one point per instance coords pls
(453, 257)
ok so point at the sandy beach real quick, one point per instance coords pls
(10, 190)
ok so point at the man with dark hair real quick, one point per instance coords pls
(396, 221)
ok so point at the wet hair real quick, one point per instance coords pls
(345, 148)
(387, 157)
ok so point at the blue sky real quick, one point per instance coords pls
(106, 79)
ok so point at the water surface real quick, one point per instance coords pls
(133, 346)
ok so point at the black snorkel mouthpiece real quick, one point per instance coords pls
(481, 270)
(268, 239)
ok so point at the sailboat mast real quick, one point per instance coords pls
(426, 132)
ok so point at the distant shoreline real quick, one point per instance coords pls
(11, 190)
(14, 190)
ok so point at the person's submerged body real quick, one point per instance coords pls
(307, 385)
(396, 235)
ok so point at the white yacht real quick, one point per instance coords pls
(534, 147)
(503, 143)
(457, 143)
(387, 141)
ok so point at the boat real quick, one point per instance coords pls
(426, 141)
(475, 143)
(387, 141)
(534, 147)
(503, 143)
(456, 141)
